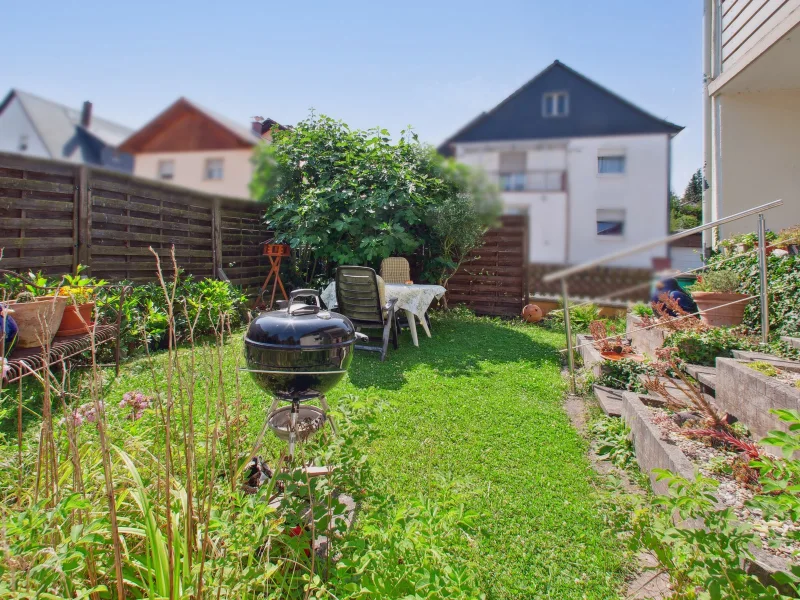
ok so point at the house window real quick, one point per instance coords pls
(23, 143)
(610, 222)
(214, 168)
(610, 165)
(166, 170)
(512, 182)
(555, 104)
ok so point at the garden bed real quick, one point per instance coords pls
(659, 444)
(750, 395)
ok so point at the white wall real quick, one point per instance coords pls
(190, 170)
(760, 158)
(14, 123)
(641, 191)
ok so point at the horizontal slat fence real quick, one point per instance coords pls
(493, 279)
(54, 216)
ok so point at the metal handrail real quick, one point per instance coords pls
(564, 273)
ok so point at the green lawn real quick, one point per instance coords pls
(476, 413)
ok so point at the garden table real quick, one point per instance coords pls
(413, 299)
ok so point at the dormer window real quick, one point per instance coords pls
(555, 104)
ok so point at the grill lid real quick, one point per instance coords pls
(301, 326)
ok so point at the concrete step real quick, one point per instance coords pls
(610, 400)
(792, 341)
(770, 358)
(705, 376)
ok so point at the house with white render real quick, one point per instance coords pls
(751, 112)
(589, 169)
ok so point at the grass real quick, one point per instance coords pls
(476, 411)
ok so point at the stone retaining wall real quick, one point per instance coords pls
(646, 341)
(749, 396)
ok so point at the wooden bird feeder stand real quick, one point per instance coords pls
(275, 253)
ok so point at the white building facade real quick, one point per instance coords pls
(752, 111)
(590, 170)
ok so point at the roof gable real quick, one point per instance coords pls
(593, 111)
(60, 131)
(185, 126)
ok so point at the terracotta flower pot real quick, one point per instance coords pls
(38, 320)
(72, 323)
(615, 356)
(728, 316)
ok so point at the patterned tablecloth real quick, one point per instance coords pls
(415, 298)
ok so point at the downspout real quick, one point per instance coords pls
(708, 176)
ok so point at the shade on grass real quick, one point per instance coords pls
(482, 404)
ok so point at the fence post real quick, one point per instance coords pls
(84, 213)
(216, 235)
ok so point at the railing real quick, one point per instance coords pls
(536, 180)
(563, 274)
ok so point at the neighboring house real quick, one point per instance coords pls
(686, 253)
(194, 147)
(590, 169)
(33, 126)
(752, 111)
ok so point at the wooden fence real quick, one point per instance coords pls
(494, 278)
(56, 215)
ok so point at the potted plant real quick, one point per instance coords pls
(789, 239)
(79, 292)
(37, 318)
(712, 292)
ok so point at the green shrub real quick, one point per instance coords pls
(783, 282)
(703, 347)
(722, 281)
(640, 309)
(613, 442)
(624, 375)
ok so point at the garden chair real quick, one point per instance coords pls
(361, 297)
(395, 270)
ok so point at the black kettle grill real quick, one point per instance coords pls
(296, 354)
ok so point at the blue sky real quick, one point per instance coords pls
(434, 65)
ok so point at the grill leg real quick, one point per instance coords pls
(293, 428)
(328, 416)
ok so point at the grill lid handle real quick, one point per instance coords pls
(304, 309)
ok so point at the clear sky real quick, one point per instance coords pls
(431, 64)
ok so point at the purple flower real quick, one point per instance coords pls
(137, 402)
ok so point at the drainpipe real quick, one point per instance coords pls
(707, 127)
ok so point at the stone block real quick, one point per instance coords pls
(646, 341)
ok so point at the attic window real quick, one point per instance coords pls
(23, 143)
(555, 104)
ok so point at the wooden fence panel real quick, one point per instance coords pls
(55, 215)
(493, 279)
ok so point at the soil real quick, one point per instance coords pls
(731, 493)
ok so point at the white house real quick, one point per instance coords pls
(34, 126)
(752, 111)
(590, 169)
(192, 146)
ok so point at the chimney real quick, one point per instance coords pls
(257, 125)
(86, 114)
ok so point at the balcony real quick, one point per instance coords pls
(530, 181)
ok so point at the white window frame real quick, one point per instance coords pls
(166, 174)
(209, 174)
(607, 215)
(614, 156)
(555, 96)
(514, 181)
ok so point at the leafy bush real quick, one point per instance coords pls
(722, 281)
(783, 283)
(613, 442)
(640, 309)
(624, 375)
(350, 197)
(703, 347)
